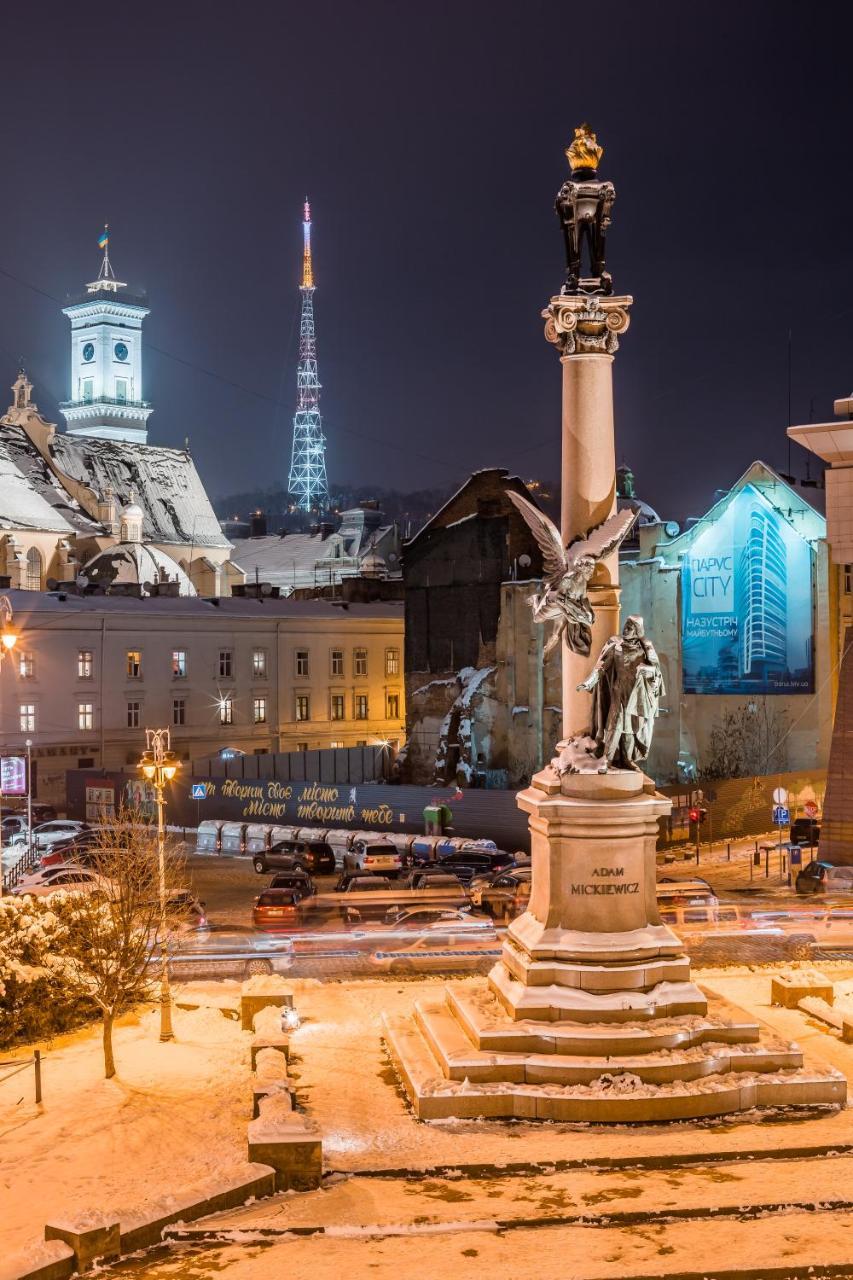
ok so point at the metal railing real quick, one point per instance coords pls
(28, 861)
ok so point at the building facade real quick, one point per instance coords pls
(741, 607)
(483, 708)
(90, 673)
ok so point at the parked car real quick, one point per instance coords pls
(48, 834)
(41, 875)
(69, 879)
(467, 862)
(297, 880)
(312, 855)
(227, 949)
(363, 884)
(185, 910)
(14, 824)
(431, 878)
(432, 918)
(371, 856)
(676, 892)
(823, 877)
(505, 895)
(77, 848)
(805, 831)
(440, 947)
(277, 909)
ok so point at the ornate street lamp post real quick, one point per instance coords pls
(159, 764)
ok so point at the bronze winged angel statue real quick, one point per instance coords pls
(567, 570)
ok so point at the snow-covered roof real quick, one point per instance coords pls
(164, 482)
(236, 608)
(30, 495)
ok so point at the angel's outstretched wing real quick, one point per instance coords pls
(545, 533)
(605, 539)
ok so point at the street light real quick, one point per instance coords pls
(159, 764)
(8, 640)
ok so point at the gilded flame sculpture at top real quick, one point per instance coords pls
(584, 151)
(567, 571)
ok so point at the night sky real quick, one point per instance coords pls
(430, 141)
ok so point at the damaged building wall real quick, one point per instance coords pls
(476, 693)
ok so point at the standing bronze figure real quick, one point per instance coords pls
(583, 206)
(626, 684)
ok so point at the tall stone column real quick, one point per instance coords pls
(586, 332)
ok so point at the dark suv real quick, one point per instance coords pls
(467, 863)
(314, 856)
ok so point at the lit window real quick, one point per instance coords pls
(302, 746)
(134, 664)
(392, 662)
(84, 664)
(259, 664)
(303, 707)
(226, 710)
(179, 664)
(337, 662)
(26, 669)
(27, 717)
(302, 662)
(335, 744)
(226, 662)
(259, 707)
(133, 712)
(337, 708)
(392, 711)
(179, 711)
(32, 581)
(361, 706)
(359, 658)
(85, 715)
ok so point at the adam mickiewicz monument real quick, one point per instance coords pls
(591, 1014)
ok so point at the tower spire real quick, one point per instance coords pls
(307, 265)
(307, 481)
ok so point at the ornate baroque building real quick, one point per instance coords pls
(97, 504)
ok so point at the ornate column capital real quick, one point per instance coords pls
(586, 325)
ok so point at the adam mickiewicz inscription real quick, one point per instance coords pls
(608, 874)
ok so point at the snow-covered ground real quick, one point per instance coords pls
(174, 1114)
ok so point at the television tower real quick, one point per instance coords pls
(307, 482)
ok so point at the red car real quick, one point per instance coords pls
(277, 909)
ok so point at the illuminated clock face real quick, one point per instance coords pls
(88, 351)
(120, 351)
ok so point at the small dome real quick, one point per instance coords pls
(373, 566)
(135, 564)
(132, 511)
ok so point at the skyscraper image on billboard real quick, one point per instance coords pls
(747, 603)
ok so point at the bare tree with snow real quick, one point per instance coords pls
(114, 938)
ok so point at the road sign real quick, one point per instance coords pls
(780, 796)
(781, 816)
(199, 791)
(810, 809)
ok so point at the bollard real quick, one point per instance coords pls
(37, 1070)
(728, 851)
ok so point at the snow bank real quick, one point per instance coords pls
(263, 984)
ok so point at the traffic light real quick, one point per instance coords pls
(698, 815)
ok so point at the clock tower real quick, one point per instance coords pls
(106, 360)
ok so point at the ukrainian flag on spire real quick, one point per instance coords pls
(104, 238)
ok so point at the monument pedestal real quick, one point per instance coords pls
(591, 1014)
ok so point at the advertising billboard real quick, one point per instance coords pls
(746, 622)
(13, 775)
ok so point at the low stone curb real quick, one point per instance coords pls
(81, 1244)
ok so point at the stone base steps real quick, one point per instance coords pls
(488, 1028)
(458, 1059)
(555, 1003)
(434, 1097)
